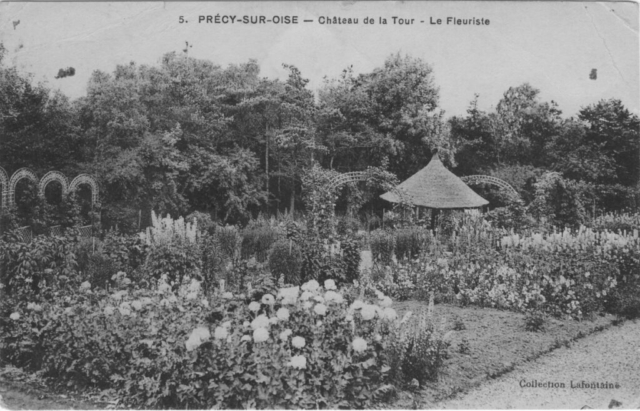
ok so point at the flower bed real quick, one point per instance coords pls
(302, 347)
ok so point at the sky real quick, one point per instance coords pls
(554, 46)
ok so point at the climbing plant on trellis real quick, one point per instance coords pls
(482, 179)
(320, 192)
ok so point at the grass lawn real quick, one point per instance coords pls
(497, 341)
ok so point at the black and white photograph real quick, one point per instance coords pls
(319, 205)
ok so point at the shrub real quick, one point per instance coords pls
(176, 261)
(416, 350)
(229, 239)
(285, 258)
(409, 243)
(257, 241)
(382, 246)
(351, 258)
(347, 225)
(127, 251)
(28, 268)
(534, 321)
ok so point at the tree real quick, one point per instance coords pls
(614, 131)
(390, 112)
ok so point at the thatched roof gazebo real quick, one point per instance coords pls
(436, 188)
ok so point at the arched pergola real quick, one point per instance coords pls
(88, 180)
(4, 188)
(13, 182)
(483, 179)
(350, 177)
(53, 176)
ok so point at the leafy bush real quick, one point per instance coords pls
(176, 261)
(229, 239)
(127, 251)
(258, 240)
(28, 268)
(409, 242)
(382, 246)
(416, 350)
(285, 258)
(534, 321)
(347, 225)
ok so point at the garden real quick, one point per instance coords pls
(234, 251)
(284, 314)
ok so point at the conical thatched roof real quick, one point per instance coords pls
(436, 187)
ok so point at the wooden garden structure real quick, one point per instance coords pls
(435, 188)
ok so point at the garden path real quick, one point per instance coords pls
(610, 356)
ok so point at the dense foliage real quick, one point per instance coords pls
(187, 135)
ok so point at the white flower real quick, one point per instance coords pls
(68, 311)
(298, 342)
(306, 295)
(197, 337)
(389, 313)
(320, 309)
(15, 316)
(137, 305)
(359, 344)
(192, 295)
(85, 286)
(307, 304)
(227, 295)
(205, 302)
(368, 312)
(220, 333)
(124, 311)
(332, 296)
(378, 337)
(172, 299)
(273, 320)
(357, 304)
(283, 314)
(330, 285)
(245, 338)
(146, 301)
(379, 294)
(126, 281)
(260, 334)
(349, 317)
(37, 307)
(386, 302)
(268, 299)
(125, 305)
(298, 361)
(163, 287)
(118, 295)
(285, 334)
(108, 310)
(319, 324)
(254, 306)
(289, 295)
(319, 298)
(194, 287)
(246, 324)
(311, 285)
(261, 321)
(226, 324)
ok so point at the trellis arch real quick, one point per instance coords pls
(15, 178)
(4, 188)
(483, 179)
(350, 177)
(54, 176)
(86, 179)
